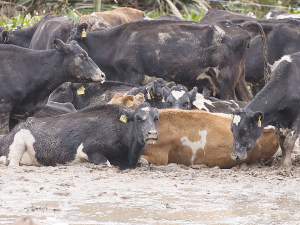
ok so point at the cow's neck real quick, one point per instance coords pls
(270, 102)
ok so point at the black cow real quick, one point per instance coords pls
(21, 37)
(155, 93)
(180, 98)
(277, 104)
(283, 37)
(89, 94)
(54, 27)
(186, 52)
(100, 134)
(29, 76)
(55, 109)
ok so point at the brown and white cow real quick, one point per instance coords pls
(198, 137)
(130, 101)
(103, 20)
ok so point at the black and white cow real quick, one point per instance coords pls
(89, 94)
(186, 52)
(277, 104)
(180, 98)
(155, 93)
(58, 27)
(29, 76)
(282, 36)
(101, 135)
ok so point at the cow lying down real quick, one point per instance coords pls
(101, 135)
(198, 137)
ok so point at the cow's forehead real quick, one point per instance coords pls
(236, 119)
(178, 94)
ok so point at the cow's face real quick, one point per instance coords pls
(180, 98)
(145, 124)
(77, 63)
(156, 93)
(246, 128)
(64, 93)
(4, 36)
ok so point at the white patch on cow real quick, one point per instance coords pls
(93, 14)
(268, 16)
(217, 71)
(284, 16)
(234, 103)
(196, 144)
(218, 36)
(162, 37)
(292, 133)
(146, 109)
(80, 155)
(108, 164)
(23, 141)
(283, 58)
(236, 119)
(269, 127)
(199, 102)
(177, 94)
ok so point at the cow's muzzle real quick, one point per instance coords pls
(152, 137)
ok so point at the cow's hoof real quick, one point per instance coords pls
(143, 162)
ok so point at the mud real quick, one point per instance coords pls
(87, 194)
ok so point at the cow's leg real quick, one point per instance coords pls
(97, 158)
(289, 144)
(242, 92)
(227, 90)
(4, 119)
(16, 150)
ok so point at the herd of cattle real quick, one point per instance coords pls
(90, 91)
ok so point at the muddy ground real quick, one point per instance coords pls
(87, 194)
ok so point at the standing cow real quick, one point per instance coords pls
(211, 56)
(28, 77)
(277, 104)
(109, 134)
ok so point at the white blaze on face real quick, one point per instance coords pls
(23, 141)
(80, 155)
(199, 102)
(177, 94)
(196, 144)
(283, 58)
(146, 109)
(236, 119)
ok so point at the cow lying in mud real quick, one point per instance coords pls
(276, 104)
(102, 134)
(197, 137)
(179, 98)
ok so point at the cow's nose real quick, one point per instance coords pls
(152, 132)
(103, 75)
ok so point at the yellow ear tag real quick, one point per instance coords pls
(148, 95)
(232, 116)
(152, 96)
(259, 121)
(123, 119)
(83, 33)
(163, 100)
(80, 91)
(4, 40)
(129, 103)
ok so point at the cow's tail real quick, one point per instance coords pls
(248, 24)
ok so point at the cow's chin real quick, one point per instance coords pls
(151, 141)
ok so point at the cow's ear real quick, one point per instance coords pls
(128, 101)
(258, 115)
(193, 93)
(4, 36)
(127, 115)
(81, 30)
(59, 45)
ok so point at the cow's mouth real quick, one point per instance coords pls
(151, 141)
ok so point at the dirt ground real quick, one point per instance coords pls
(87, 194)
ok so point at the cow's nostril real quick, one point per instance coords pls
(237, 158)
(152, 132)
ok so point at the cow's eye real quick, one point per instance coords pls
(169, 104)
(185, 104)
(156, 120)
(139, 118)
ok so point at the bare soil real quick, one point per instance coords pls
(87, 194)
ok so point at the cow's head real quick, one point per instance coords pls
(62, 94)
(180, 98)
(155, 93)
(77, 34)
(246, 128)
(77, 63)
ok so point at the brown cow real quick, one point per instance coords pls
(103, 20)
(130, 101)
(198, 137)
